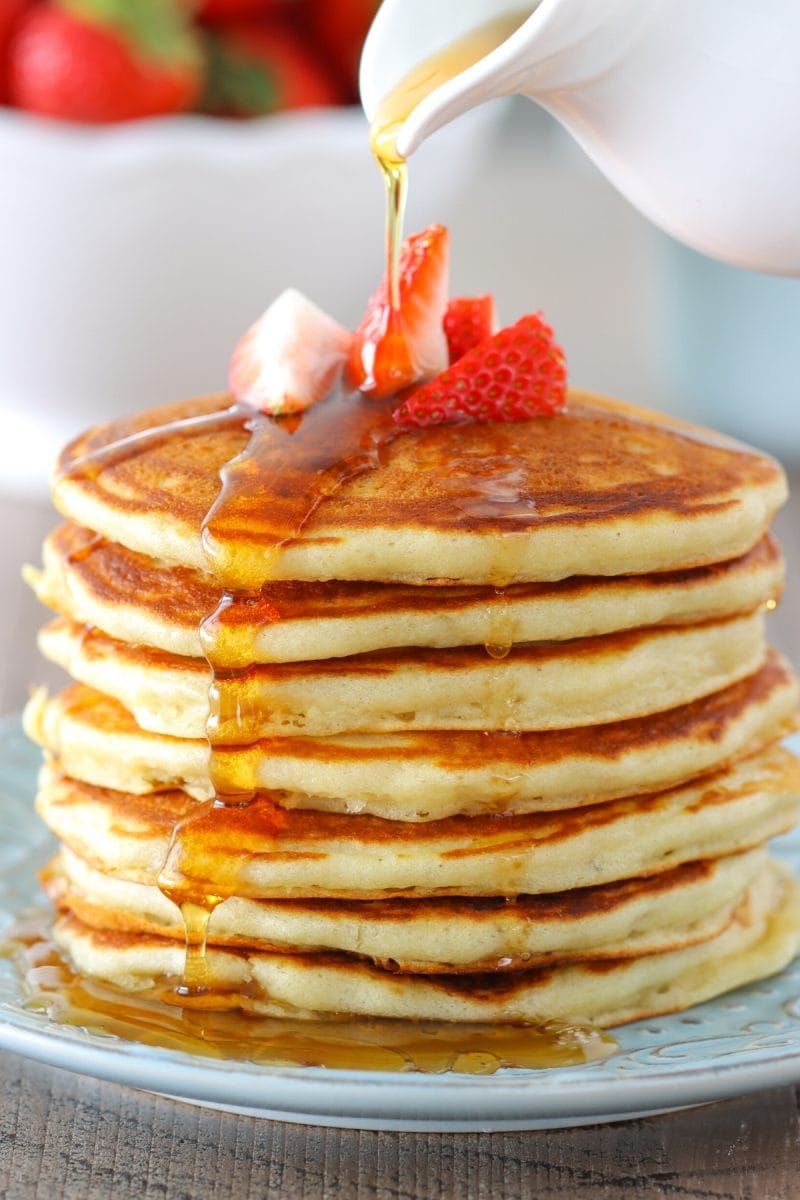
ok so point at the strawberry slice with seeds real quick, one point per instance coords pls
(395, 348)
(290, 358)
(516, 374)
(467, 321)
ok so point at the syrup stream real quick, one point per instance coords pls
(398, 105)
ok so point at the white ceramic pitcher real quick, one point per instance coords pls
(690, 107)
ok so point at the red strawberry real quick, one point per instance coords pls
(517, 374)
(340, 27)
(104, 60)
(468, 320)
(222, 12)
(395, 348)
(10, 13)
(259, 67)
(290, 358)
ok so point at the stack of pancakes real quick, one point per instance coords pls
(512, 720)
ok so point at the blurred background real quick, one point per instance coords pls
(166, 168)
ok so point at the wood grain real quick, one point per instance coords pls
(62, 1135)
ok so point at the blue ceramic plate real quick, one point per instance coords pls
(746, 1041)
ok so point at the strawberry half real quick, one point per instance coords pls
(290, 358)
(394, 348)
(516, 374)
(467, 321)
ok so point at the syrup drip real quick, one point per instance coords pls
(289, 467)
(93, 462)
(268, 494)
(52, 986)
(79, 555)
(501, 635)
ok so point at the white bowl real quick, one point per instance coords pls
(133, 257)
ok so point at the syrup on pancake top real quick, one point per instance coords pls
(482, 671)
(598, 489)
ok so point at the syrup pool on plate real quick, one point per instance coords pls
(216, 1030)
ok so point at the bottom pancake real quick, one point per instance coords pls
(763, 936)
(648, 915)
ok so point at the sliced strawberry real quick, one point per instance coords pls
(516, 374)
(290, 358)
(394, 348)
(468, 320)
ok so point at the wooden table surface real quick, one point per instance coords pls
(66, 1136)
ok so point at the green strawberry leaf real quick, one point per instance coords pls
(236, 83)
(158, 30)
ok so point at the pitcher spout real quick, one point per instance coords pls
(544, 47)
(689, 109)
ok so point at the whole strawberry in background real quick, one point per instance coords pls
(220, 12)
(105, 60)
(10, 13)
(259, 67)
(339, 28)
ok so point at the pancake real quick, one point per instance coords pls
(600, 489)
(649, 915)
(587, 681)
(136, 599)
(762, 938)
(501, 688)
(260, 851)
(427, 776)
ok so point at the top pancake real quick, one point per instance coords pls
(600, 489)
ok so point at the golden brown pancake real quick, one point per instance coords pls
(558, 685)
(648, 915)
(261, 850)
(426, 776)
(136, 599)
(600, 489)
(762, 938)
(534, 648)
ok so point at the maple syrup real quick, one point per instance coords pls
(500, 638)
(216, 1030)
(98, 457)
(303, 459)
(401, 101)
